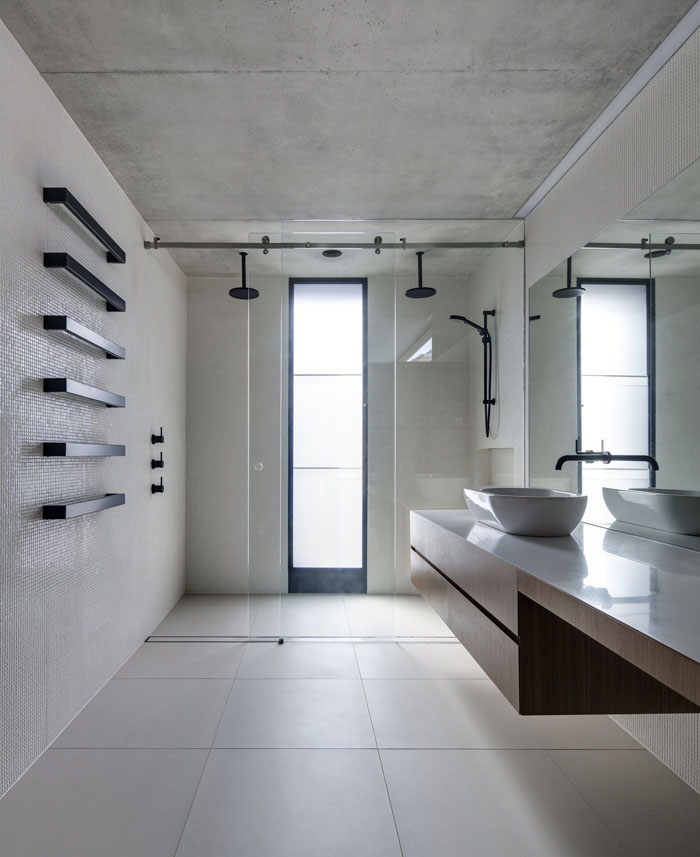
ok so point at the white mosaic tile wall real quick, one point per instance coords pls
(499, 284)
(654, 139)
(77, 597)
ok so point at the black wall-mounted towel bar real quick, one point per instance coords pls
(79, 331)
(62, 511)
(66, 261)
(83, 391)
(68, 449)
(62, 196)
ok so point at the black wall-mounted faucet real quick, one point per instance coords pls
(606, 457)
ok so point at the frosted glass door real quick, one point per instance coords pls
(327, 419)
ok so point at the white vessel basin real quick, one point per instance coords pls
(669, 509)
(527, 511)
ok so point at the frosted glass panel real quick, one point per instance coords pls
(327, 328)
(614, 329)
(616, 411)
(327, 519)
(328, 421)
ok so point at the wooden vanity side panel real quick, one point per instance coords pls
(671, 668)
(490, 581)
(564, 671)
(494, 651)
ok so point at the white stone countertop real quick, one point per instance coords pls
(651, 586)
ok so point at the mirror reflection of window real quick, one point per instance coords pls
(616, 389)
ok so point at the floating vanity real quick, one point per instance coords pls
(600, 622)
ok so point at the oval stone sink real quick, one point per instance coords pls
(527, 511)
(669, 509)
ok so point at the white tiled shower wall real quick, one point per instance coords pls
(654, 138)
(77, 597)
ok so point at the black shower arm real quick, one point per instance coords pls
(482, 330)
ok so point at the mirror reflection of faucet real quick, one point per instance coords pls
(604, 456)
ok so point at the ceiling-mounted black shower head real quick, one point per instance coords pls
(657, 254)
(421, 291)
(570, 291)
(242, 292)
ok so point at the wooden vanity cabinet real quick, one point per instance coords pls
(545, 654)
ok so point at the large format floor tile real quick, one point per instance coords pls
(496, 803)
(150, 713)
(296, 713)
(207, 616)
(443, 713)
(299, 660)
(649, 809)
(314, 616)
(291, 803)
(389, 616)
(184, 660)
(579, 732)
(101, 803)
(416, 660)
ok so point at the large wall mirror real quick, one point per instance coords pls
(615, 370)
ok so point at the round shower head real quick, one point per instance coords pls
(657, 254)
(241, 293)
(569, 292)
(420, 291)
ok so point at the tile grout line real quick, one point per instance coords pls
(379, 757)
(206, 761)
(585, 799)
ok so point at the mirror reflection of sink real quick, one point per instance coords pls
(669, 509)
(527, 511)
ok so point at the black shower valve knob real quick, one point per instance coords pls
(158, 489)
(157, 462)
(158, 438)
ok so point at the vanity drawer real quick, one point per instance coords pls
(488, 580)
(432, 586)
(494, 650)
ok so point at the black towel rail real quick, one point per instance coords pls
(79, 331)
(62, 511)
(65, 260)
(62, 196)
(84, 391)
(69, 449)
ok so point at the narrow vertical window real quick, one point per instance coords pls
(327, 436)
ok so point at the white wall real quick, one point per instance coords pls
(653, 139)
(77, 597)
(499, 284)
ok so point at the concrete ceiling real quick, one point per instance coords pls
(277, 109)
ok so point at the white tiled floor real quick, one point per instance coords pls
(301, 615)
(317, 748)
